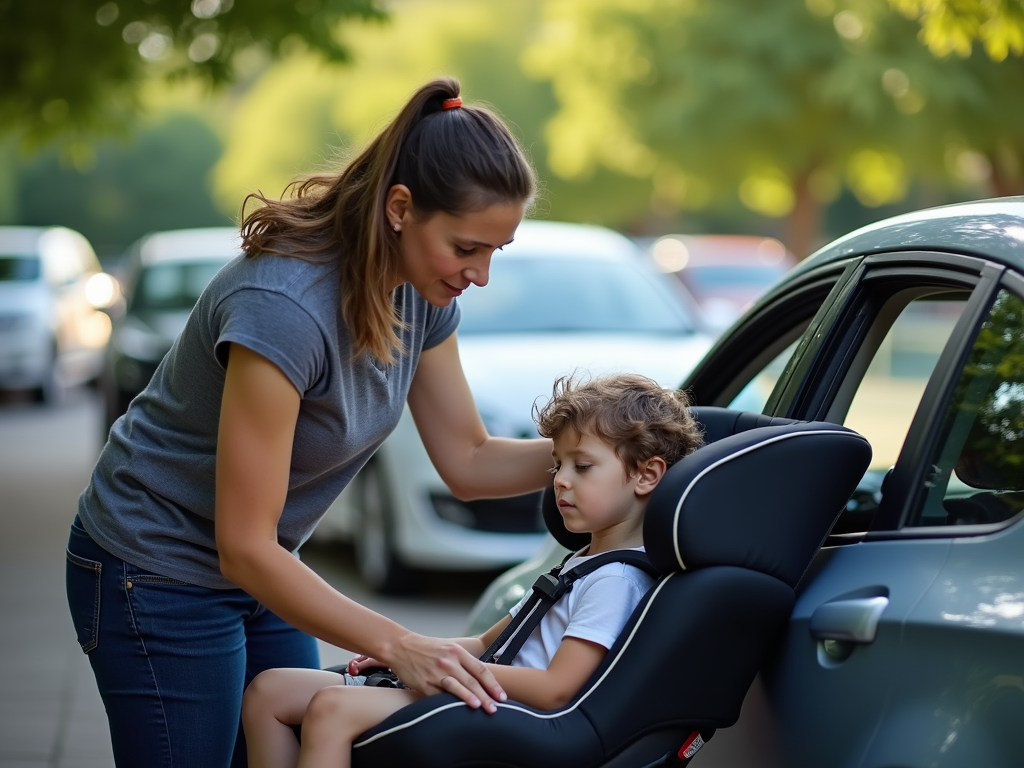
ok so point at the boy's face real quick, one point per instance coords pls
(593, 492)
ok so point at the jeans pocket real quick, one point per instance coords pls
(83, 585)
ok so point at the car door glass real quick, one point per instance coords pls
(886, 397)
(978, 466)
(889, 392)
(755, 394)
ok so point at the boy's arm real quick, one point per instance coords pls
(477, 645)
(573, 663)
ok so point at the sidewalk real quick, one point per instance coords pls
(50, 713)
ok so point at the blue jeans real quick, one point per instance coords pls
(172, 659)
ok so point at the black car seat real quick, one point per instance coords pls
(732, 528)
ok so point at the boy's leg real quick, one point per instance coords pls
(337, 715)
(270, 642)
(274, 702)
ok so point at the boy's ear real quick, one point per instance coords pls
(649, 475)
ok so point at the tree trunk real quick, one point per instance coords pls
(803, 226)
(1004, 182)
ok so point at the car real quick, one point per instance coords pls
(562, 297)
(725, 273)
(52, 330)
(163, 275)
(906, 643)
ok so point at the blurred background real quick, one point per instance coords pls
(795, 119)
(714, 135)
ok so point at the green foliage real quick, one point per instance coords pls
(157, 180)
(299, 116)
(73, 68)
(778, 104)
(953, 26)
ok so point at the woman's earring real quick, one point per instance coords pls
(397, 227)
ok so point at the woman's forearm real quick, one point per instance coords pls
(501, 466)
(294, 592)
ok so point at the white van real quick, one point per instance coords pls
(52, 330)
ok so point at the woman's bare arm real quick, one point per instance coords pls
(472, 463)
(257, 423)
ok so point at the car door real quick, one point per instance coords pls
(882, 347)
(957, 698)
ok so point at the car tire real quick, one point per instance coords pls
(50, 391)
(376, 560)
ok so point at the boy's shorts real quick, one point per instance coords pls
(380, 678)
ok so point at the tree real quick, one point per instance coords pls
(73, 69)
(953, 26)
(299, 116)
(778, 104)
(157, 179)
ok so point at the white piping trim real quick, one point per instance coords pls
(537, 715)
(730, 457)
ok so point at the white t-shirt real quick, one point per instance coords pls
(595, 609)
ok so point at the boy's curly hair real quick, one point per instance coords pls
(637, 416)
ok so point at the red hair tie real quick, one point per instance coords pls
(451, 103)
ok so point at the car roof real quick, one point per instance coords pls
(20, 241)
(180, 245)
(544, 238)
(25, 241)
(990, 229)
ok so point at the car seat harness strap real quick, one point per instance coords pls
(547, 590)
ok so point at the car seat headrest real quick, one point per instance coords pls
(763, 499)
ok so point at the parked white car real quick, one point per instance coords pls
(52, 332)
(561, 298)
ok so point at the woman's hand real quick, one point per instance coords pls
(432, 665)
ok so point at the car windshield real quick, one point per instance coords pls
(19, 268)
(173, 286)
(538, 295)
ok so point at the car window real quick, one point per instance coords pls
(19, 268)
(754, 395)
(978, 474)
(888, 393)
(173, 286)
(536, 295)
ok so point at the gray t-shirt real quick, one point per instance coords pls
(151, 497)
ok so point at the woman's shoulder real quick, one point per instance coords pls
(290, 276)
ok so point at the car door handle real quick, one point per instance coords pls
(854, 621)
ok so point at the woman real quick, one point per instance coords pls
(183, 582)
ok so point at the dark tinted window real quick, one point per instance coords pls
(19, 268)
(173, 286)
(553, 294)
(978, 472)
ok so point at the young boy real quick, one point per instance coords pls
(613, 439)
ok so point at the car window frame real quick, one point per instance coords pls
(840, 337)
(929, 432)
(772, 324)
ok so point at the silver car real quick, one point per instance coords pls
(52, 332)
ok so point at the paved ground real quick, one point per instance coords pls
(50, 713)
